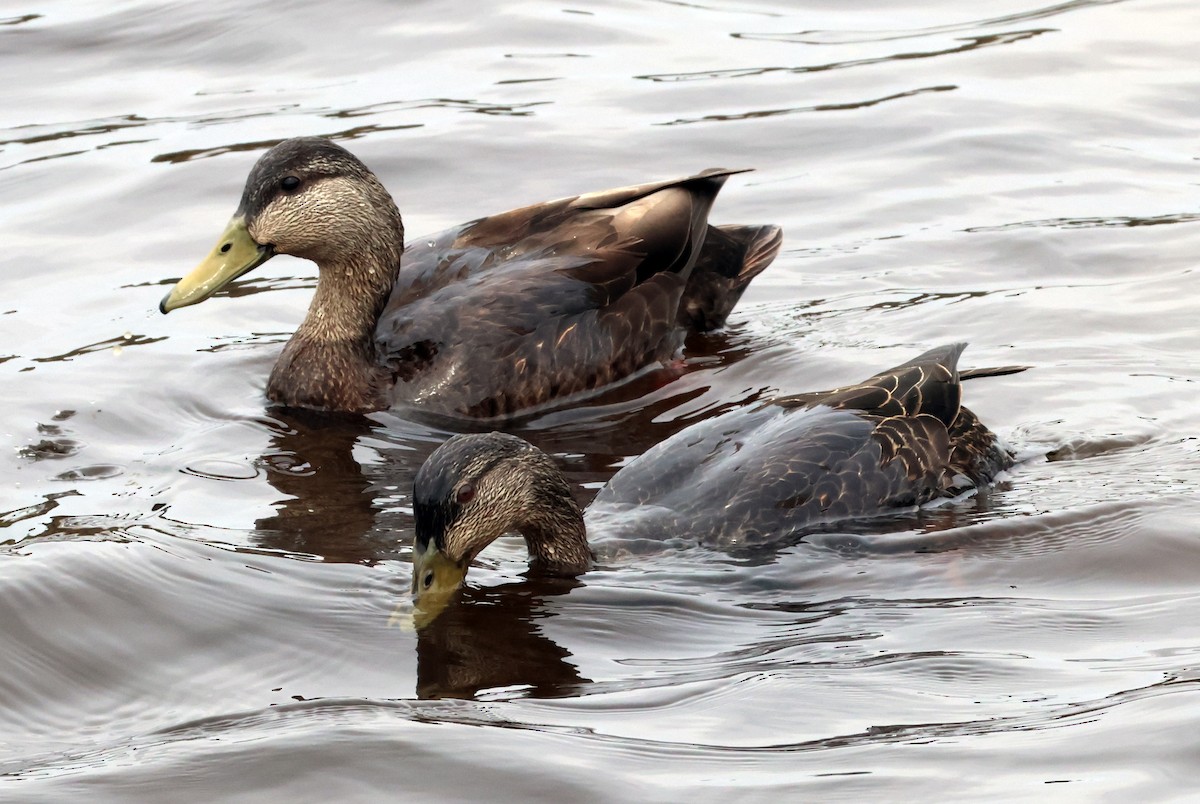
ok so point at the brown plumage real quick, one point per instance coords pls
(492, 317)
(753, 476)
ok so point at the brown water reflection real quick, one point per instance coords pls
(492, 639)
(329, 508)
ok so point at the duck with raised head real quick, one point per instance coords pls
(751, 476)
(492, 317)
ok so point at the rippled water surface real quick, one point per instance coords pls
(197, 591)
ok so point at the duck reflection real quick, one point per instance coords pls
(493, 637)
(330, 507)
(335, 507)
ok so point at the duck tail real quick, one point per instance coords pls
(729, 259)
(995, 371)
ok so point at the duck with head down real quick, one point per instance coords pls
(487, 319)
(752, 476)
(474, 489)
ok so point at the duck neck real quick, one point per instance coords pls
(349, 298)
(331, 361)
(556, 535)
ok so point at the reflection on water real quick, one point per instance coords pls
(197, 589)
(492, 639)
(328, 508)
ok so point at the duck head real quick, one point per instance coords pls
(307, 197)
(478, 487)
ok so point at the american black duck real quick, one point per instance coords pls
(753, 475)
(486, 319)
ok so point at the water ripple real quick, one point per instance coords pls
(828, 37)
(820, 107)
(971, 44)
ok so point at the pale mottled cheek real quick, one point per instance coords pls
(317, 222)
(282, 224)
(475, 531)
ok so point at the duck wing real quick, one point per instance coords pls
(929, 384)
(521, 308)
(755, 477)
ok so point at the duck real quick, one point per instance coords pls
(751, 476)
(488, 319)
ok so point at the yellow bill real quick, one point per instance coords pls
(435, 580)
(235, 254)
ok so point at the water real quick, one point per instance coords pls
(197, 591)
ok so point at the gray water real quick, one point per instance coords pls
(197, 590)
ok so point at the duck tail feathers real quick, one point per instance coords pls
(994, 371)
(730, 257)
(947, 356)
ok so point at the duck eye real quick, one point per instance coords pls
(427, 581)
(465, 494)
(290, 184)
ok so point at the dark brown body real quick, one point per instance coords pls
(530, 306)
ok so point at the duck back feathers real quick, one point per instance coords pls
(533, 305)
(752, 476)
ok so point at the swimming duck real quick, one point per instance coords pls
(750, 476)
(491, 317)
